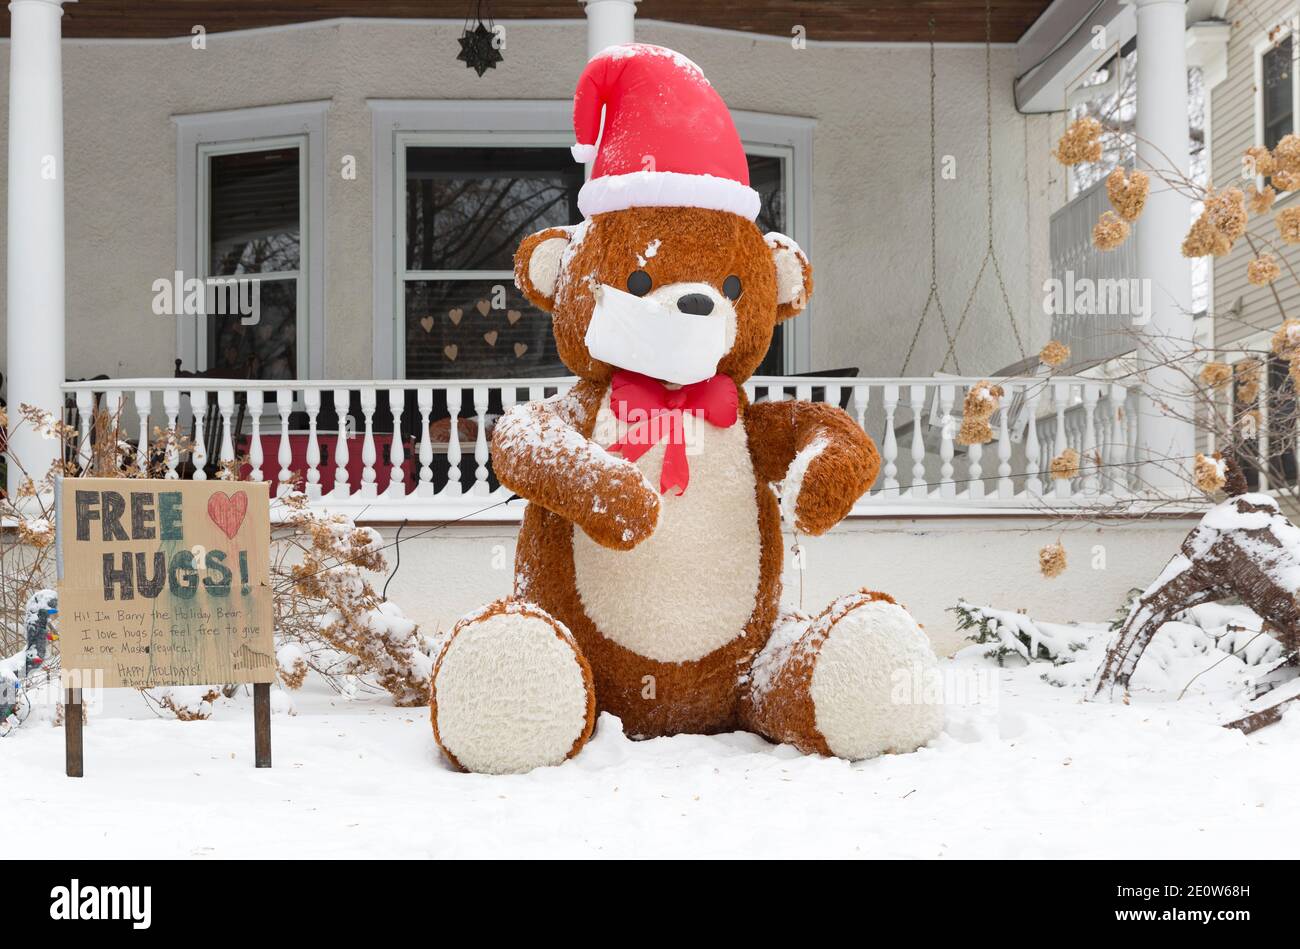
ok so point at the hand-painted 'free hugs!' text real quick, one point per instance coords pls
(166, 582)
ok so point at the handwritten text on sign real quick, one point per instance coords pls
(166, 582)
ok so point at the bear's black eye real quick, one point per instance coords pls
(639, 283)
(731, 288)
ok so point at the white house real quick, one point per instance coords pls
(376, 188)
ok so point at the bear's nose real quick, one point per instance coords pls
(697, 304)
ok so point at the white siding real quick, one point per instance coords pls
(1234, 129)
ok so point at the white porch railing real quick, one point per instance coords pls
(335, 439)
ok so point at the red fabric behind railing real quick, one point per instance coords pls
(327, 442)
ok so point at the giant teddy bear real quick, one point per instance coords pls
(647, 574)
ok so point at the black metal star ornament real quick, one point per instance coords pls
(478, 46)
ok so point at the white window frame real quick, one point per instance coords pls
(398, 123)
(202, 135)
(1263, 44)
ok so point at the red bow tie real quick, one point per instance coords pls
(653, 411)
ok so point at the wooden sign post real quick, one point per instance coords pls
(164, 583)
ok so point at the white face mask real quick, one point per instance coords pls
(646, 336)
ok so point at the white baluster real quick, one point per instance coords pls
(1116, 479)
(890, 450)
(254, 397)
(917, 403)
(226, 405)
(311, 402)
(143, 398)
(369, 488)
(1033, 461)
(114, 403)
(1005, 488)
(396, 450)
(947, 488)
(1060, 400)
(342, 489)
(199, 454)
(861, 401)
(284, 405)
(974, 469)
(424, 401)
(481, 394)
(748, 386)
(1089, 483)
(453, 488)
(172, 411)
(86, 416)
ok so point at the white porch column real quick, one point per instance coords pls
(34, 239)
(609, 23)
(1166, 434)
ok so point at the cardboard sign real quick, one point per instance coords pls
(165, 582)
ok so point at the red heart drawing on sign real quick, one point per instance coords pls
(227, 511)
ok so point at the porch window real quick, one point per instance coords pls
(466, 210)
(767, 176)
(1279, 424)
(254, 233)
(250, 186)
(1277, 90)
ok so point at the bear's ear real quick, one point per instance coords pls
(537, 265)
(794, 282)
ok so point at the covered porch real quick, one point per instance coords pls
(396, 447)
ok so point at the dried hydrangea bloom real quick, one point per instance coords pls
(1288, 224)
(1247, 373)
(1065, 465)
(1261, 159)
(1055, 353)
(1285, 180)
(1128, 192)
(982, 400)
(1110, 231)
(1051, 560)
(1286, 341)
(1263, 270)
(1261, 201)
(1210, 472)
(1227, 210)
(1081, 142)
(1204, 239)
(1216, 375)
(1286, 154)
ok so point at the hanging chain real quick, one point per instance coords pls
(990, 253)
(933, 297)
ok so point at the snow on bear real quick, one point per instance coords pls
(647, 575)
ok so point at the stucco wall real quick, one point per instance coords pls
(926, 563)
(870, 219)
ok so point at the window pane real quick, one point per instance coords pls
(767, 177)
(254, 212)
(468, 208)
(452, 331)
(1278, 107)
(267, 349)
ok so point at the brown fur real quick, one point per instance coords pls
(543, 452)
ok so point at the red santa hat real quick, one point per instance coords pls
(668, 139)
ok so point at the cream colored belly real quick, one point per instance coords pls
(690, 588)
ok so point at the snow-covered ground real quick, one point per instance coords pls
(1025, 769)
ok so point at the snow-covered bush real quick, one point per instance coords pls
(329, 619)
(1015, 634)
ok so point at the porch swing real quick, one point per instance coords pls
(936, 415)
